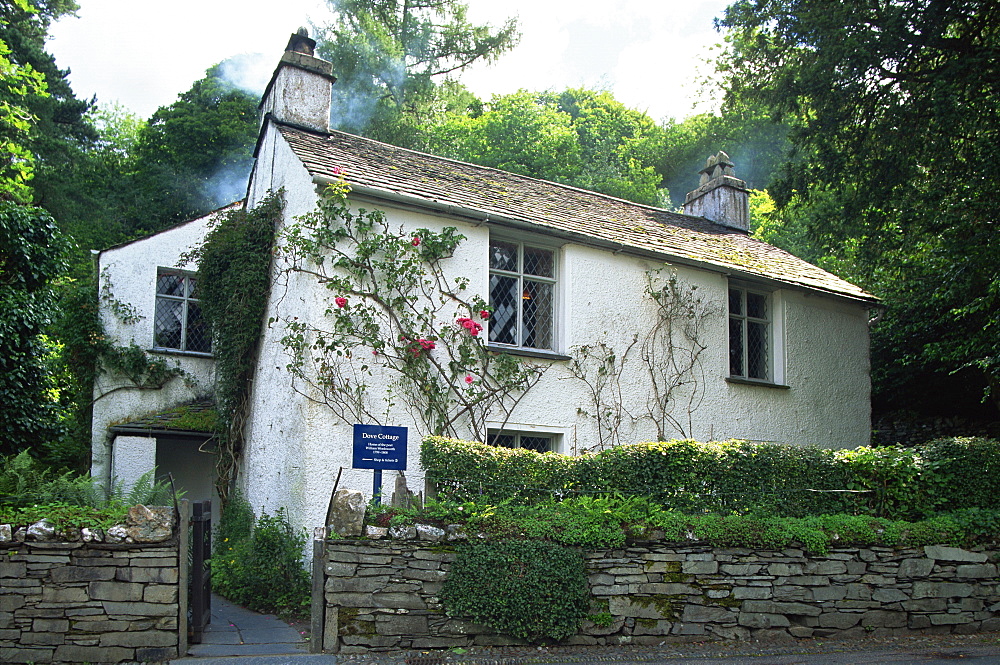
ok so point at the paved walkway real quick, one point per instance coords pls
(237, 632)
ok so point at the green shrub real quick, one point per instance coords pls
(730, 477)
(258, 563)
(526, 588)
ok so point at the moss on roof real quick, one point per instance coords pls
(444, 184)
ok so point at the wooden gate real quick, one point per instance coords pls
(201, 576)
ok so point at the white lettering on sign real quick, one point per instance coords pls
(388, 437)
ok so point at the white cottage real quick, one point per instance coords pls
(647, 323)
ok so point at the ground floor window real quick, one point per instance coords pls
(537, 441)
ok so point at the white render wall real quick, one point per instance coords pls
(127, 273)
(132, 457)
(295, 446)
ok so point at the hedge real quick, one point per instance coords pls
(732, 476)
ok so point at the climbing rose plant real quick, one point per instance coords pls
(394, 311)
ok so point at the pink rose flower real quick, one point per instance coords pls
(484, 314)
(468, 378)
(341, 301)
(416, 241)
(469, 325)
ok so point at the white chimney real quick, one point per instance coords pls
(721, 197)
(300, 88)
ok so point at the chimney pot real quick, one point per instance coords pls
(721, 197)
(299, 42)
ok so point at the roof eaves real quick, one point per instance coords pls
(484, 217)
(161, 432)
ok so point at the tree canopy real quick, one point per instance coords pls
(895, 115)
(391, 58)
(579, 137)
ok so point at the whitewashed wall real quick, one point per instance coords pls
(127, 274)
(295, 446)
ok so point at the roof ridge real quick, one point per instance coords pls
(589, 192)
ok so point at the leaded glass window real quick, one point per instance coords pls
(178, 323)
(522, 295)
(749, 334)
(539, 442)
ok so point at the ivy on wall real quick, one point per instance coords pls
(89, 353)
(234, 281)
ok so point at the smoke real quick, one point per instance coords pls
(229, 183)
(369, 83)
(249, 72)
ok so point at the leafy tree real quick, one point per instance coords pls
(392, 58)
(194, 155)
(521, 133)
(59, 130)
(895, 114)
(579, 137)
(32, 252)
(619, 146)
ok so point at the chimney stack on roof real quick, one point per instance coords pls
(721, 197)
(300, 88)
(300, 42)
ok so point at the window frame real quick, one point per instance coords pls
(774, 358)
(553, 350)
(185, 299)
(553, 437)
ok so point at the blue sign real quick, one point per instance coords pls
(378, 447)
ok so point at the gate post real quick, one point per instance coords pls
(183, 574)
(318, 609)
(201, 577)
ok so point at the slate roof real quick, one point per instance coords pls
(196, 418)
(377, 168)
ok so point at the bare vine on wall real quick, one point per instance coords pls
(671, 352)
(599, 367)
(394, 312)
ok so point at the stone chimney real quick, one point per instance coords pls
(300, 88)
(721, 197)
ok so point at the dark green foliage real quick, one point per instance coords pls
(529, 589)
(32, 256)
(963, 473)
(258, 563)
(59, 131)
(894, 109)
(194, 155)
(731, 477)
(234, 279)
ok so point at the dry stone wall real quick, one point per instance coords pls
(383, 595)
(88, 603)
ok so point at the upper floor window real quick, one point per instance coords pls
(750, 322)
(522, 295)
(178, 323)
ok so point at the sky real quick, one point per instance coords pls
(650, 54)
